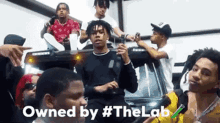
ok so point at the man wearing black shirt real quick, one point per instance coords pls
(9, 53)
(104, 85)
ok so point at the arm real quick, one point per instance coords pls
(46, 29)
(128, 74)
(46, 25)
(84, 37)
(89, 90)
(118, 32)
(13, 52)
(128, 78)
(43, 31)
(93, 90)
(76, 28)
(153, 52)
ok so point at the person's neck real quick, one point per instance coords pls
(162, 44)
(63, 20)
(99, 16)
(101, 50)
(203, 101)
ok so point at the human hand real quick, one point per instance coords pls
(105, 87)
(130, 37)
(123, 51)
(138, 40)
(66, 40)
(13, 52)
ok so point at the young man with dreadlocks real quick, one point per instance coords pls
(101, 6)
(61, 27)
(105, 85)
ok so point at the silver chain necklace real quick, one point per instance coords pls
(207, 110)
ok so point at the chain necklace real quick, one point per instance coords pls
(101, 54)
(207, 110)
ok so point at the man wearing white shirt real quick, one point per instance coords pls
(164, 53)
(101, 7)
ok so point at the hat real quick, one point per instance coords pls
(163, 28)
(14, 39)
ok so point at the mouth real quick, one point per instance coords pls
(193, 82)
(97, 41)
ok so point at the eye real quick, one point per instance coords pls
(93, 33)
(194, 69)
(206, 73)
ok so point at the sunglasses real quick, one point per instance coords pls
(29, 86)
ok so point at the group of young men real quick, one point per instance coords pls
(100, 82)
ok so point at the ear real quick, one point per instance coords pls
(164, 37)
(49, 101)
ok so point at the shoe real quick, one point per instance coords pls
(52, 43)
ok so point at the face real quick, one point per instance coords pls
(204, 76)
(73, 96)
(156, 37)
(62, 11)
(29, 92)
(100, 10)
(99, 37)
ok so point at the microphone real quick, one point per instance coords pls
(137, 36)
(115, 67)
(122, 39)
(111, 67)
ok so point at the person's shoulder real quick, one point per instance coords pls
(72, 21)
(108, 17)
(56, 22)
(170, 46)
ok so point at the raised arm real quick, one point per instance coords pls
(13, 52)
(128, 78)
(84, 37)
(155, 54)
(118, 32)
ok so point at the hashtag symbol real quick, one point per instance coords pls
(107, 111)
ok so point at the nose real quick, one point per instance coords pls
(97, 35)
(196, 76)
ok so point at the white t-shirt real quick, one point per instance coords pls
(168, 65)
(107, 18)
(184, 83)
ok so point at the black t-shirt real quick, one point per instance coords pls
(9, 77)
(96, 72)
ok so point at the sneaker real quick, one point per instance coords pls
(52, 43)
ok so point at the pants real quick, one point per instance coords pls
(101, 103)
